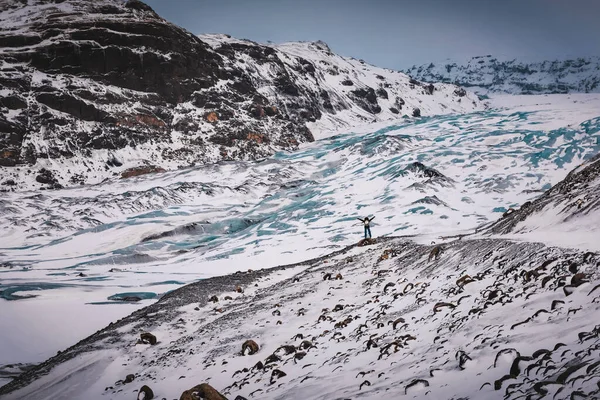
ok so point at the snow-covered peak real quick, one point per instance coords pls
(96, 90)
(490, 74)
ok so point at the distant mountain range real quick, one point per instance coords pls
(487, 74)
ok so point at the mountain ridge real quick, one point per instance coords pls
(97, 90)
(488, 74)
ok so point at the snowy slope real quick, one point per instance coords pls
(487, 319)
(488, 74)
(102, 251)
(567, 214)
(351, 92)
(95, 90)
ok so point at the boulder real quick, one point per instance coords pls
(249, 347)
(148, 338)
(203, 391)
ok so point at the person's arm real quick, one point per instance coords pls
(372, 218)
(360, 219)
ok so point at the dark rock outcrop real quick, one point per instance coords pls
(85, 81)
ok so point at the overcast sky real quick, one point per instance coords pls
(398, 34)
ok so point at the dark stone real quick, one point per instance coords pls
(284, 83)
(418, 167)
(148, 393)
(19, 41)
(72, 106)
(429, 89)
(13, 102)
(416, 112)
(367, 94)
(347, 82)
(381, 92)
(45, 177)
(148, 338)
(394, 110)
(460, 92)
(113, 162)
(399, 102)
(138, 5)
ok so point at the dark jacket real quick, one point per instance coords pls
(366, 221)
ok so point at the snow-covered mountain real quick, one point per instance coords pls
(75, 260)
(247, 240)
(488, 74)
(473, 317)
(97, 89)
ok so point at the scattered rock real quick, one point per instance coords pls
(464, 280)
(148, 338)
(435, 253)
(366, 242)
(142, 170)
(202, 391)
(249, 347)
(145, 393)
(578, 279)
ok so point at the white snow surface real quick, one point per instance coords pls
(234, 216)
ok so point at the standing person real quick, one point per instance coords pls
(366, 221)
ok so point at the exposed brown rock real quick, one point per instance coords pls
(203, 391)
(212, 117)
(462, 281)
(251, 346)
(145, 393)
(142, 170)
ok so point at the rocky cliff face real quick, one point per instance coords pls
(91, 90)
(487, 74)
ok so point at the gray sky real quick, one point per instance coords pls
(398, 34)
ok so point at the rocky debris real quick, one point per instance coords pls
(250, 346)
(142, 170)
(422, 169)
(202, 391)
(390, 325)
(148, 338)
(435, 253)
(129, 378)
(366, 242)
(462, 281)
(460, 92)
(145, 393)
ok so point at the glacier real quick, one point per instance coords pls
(75, 260)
